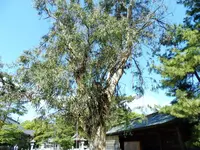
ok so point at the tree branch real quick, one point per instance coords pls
(197, 76)
(49, 13)
(117, 70)
(113, 78)
(139, 70)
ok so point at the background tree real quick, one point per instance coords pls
(11, 134)
(57, 130)
(12, 97)
(121, 113)
(78, 65)
(180, 67)
(12, 100)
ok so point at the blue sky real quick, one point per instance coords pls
(21, 28)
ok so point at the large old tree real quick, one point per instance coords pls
(77, 67)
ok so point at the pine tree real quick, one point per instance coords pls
(180, 67)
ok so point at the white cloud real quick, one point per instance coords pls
(145, 103)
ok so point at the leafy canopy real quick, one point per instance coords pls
(12, 96)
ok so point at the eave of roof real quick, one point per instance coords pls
(151, 120)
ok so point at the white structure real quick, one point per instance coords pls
(112, 143)
(32, 144)
(79, 142)
(49, 145)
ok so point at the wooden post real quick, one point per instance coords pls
(180, 139)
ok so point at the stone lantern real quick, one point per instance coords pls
(32, 144)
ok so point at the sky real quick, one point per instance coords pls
(21, 28)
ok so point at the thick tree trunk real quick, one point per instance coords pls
(99, 140)
(99, 110)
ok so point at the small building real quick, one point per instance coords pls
(80, 143)
(155, 132)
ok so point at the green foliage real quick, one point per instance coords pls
(41, 129)
(11, 96)
(180, 64)
(196, 135)
(180, 67)
(11, 134)
(29, 125)
(63, 133)
(121, 112)
(192, 19)
(184, 108)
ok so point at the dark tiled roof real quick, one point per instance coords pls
(10, 120)
(150, 120)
